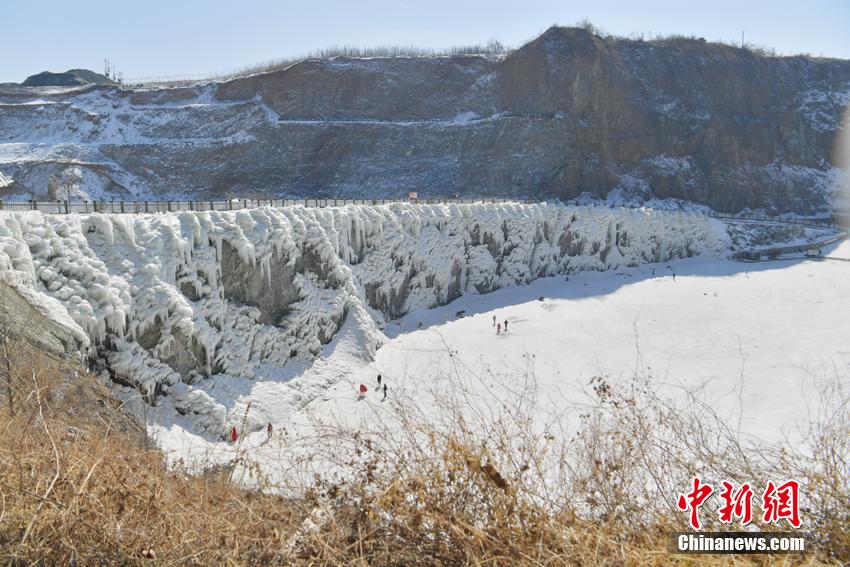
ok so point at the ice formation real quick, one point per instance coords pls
(169, 299)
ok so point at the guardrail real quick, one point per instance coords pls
(774, 252)
(833, 222)
(66, 207)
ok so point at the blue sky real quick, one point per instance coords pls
(157, 37)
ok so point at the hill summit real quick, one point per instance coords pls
(70, 78)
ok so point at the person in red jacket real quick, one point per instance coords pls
(233, 435)
(363, 390)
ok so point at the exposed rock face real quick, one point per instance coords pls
(567, 113)
(271, 291)
(20, 319)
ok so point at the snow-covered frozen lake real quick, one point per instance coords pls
(755, 341)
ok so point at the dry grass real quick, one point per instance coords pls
(77, 485)
(496, 491)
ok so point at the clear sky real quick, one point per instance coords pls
(159, 37)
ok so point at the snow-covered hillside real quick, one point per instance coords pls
(66, 136)
(167, 300)
(381, 127)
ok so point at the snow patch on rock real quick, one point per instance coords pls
(821, 107)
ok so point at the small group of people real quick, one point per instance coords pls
(381, 386)
(234, 433)
(499, 327)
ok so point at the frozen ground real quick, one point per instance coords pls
(756, 342)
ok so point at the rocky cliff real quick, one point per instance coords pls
(568, 113)
(166, 300)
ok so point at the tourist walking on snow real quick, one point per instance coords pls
(506, 325)
(498, 328)
(385, 392)
(494, 320)
(269, 430)
(363, 390)
(233, 434)
(379, 380)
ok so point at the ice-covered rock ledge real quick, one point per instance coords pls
(169, 299)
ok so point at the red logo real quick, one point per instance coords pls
(694, 499)
(778, 502)
(782, 502)
(737, 504)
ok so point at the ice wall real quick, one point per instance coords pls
(168, 299)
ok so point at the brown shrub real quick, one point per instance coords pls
(78, 485)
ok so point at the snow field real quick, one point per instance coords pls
(760, 346)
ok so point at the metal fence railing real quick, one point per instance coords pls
(774, 252)
(65, 207)
(832, 222)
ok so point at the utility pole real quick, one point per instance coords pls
(742, 38)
